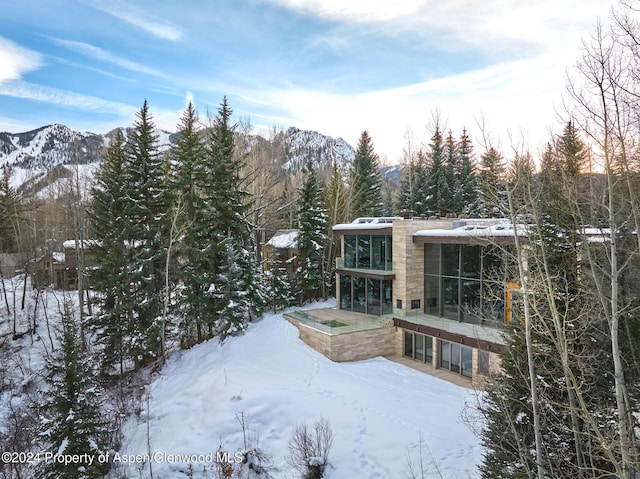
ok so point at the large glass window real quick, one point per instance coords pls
(350, 242)
(367, 252)
(462, 282)
(418, 346)
(345, 292)
(373, 296)
(432, 259)
(364, 251)
(445, 354)
(466, 363)
(432, 295)
(471, 261)
(387, 305)
(450, 298)
(359, 294)
(456, 358)
(365, 295)
(450, 259)
(408, 344)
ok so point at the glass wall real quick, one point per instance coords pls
(464, 282)
(365, 295)
(368, 252)
(418, 346)
(456, 358)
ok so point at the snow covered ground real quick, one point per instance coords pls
(381, 413)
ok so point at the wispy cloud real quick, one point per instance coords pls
(456, 24)
(31, 91)
(16, 60)
(355, 10)
(501, 94)
(139, 18)
(100, 54)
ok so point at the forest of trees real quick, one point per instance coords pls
(178, 236)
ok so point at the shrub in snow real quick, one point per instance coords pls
(309, 449)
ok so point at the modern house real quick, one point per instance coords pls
(432, 293)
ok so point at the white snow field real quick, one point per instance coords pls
(378, 410)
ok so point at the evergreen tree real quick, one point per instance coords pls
(450, 201)
(572, 151)
(222, 215)
(112, 276)
(145, 212)
(312, 225)
(492, 180)
(71, 422)
(9, 213)
(278, 284)
(229, 292)
(438, 191)
(190, 163)
(466, 193)
(365, 183)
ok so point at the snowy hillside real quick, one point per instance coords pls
(378, 410)
(49, 146)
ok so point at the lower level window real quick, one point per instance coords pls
(456, 358)
(418, 346)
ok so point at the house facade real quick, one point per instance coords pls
(59, 269)
(282, 249)
(435, 292)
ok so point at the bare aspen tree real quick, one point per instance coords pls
(598, 92)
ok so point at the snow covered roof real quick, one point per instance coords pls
(284, 239)
(473, 232)
(71, 244)
(368, 223)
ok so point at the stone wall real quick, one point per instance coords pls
(354, 346)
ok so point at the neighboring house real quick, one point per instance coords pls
(60, 269)
(429, 291)
(283, 246)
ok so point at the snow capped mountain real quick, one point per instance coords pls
(49, 146)
(47, 151)
(302, 145)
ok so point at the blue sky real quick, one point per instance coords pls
(334, 66)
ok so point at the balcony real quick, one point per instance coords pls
(382, 271)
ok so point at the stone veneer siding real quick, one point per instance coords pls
(354, 346)
(408, 261)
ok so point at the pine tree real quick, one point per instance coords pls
(145, 211)
(278, 283)
(312, 224)
(365, 183)
(572, 150)
(72, 422)
(9, 213)
(229, 292)
(190, 163)
(492, 180)
(222, 215)
(112, 275)
(466, 193)
(450, 200)
(438, 191)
